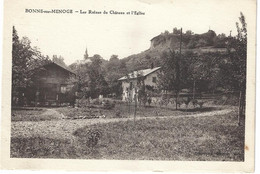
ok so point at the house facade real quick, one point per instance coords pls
(51, 85)
(130, 82)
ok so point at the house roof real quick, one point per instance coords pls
(143, 73)
(63, 67)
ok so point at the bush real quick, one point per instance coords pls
(108, 104)
(90, 137)
(118, 114)
(227, 99)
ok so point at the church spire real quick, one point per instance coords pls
(86, 54)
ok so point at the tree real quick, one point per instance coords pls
(97, 84)
(166, 32)
(189, 32)
(176, 31)
(209, 37)
(196, 71)
(169, 77)
(114, 69)
(81, 79)
(22, 53)
(114, 58)
(220, 41)
(59, 60)
(26, 63)
(238, 60)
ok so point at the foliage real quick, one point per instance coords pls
(170, 77)
(91, 136)
(59, 60)
(238, 61)
(114, 69)
(97, 84)
(22, 53)
(108, 104)
(25, 65)
(220, 41)
(239, 56)
(81, 78)
(90, 77)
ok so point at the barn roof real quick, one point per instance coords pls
(142, 73)
(63, 67)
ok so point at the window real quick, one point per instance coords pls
(154, 79)
(63, 89)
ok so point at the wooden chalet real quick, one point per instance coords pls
(51, 86)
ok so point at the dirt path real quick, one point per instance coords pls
(64, 128)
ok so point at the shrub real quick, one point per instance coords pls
(149, 101)
(90, 137)
(93, 136)
(108, 104)
(95, 102)
(118, 113)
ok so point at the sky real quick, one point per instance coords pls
(69, 35)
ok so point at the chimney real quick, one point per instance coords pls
(151, 65)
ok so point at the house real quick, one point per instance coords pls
(130, 82)
(50, 85)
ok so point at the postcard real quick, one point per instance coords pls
(134, 85)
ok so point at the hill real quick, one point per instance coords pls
(196, 43)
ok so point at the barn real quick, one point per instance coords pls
(51, 86)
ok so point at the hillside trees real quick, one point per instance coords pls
(220, 41)
(176, 31)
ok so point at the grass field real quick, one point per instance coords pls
(33, 114)
(215, 138)
(28, 114)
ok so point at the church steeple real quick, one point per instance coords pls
(86, 54)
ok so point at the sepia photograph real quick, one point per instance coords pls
(144, 81)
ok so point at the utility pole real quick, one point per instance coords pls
(135, 107)
(180, 42)
(194, 87)
(178, 73)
